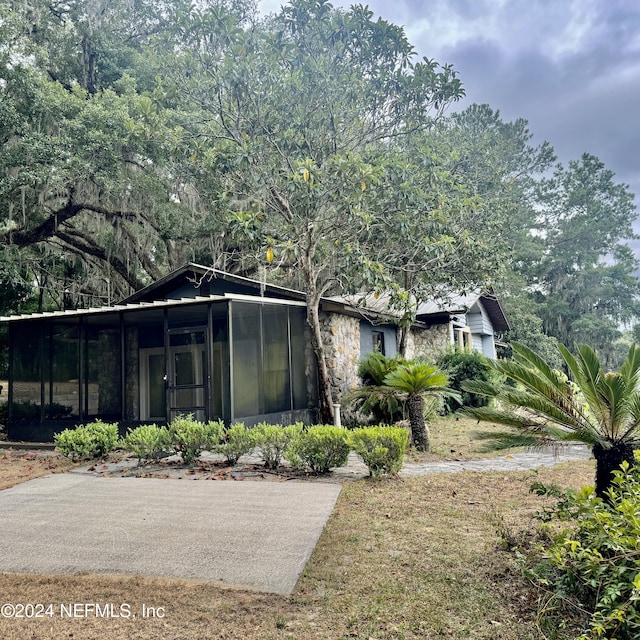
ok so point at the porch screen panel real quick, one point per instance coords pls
(298, 358)
(275, 353)
(26, 368)
(104, 373)
(247, 359)
(64, 398)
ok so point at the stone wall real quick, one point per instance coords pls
(341, 338)
(429, 343)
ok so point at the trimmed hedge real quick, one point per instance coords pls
(147, 442)
(381, 448)
(272, 440)
(236, 441)
(93, 440)
(319, 448)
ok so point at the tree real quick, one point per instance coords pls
(414, 380)
(298, 121)
(93, 203)
(583, 276)
(598, 408)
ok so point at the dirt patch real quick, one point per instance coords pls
(21, 465)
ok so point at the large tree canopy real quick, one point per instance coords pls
(311, 147)
(302, 121)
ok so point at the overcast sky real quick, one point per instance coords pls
(569, 67)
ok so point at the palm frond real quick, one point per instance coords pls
(630, 368)
(498, 441)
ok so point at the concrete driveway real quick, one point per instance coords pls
(253, 534)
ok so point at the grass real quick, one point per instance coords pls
(398, 560)
(452, 438)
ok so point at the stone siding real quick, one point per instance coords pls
(341, 338)
(428, 343)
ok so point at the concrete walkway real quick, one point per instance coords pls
(252, 534)
(546, 457)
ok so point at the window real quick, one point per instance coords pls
(378, 342)
(268, 356)
(462, 337)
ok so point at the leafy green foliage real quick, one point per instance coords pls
(74, 443)
(272, 440)
(319, 448)
(147, 441)
(462, 365)
(593, 565)
(189, 437)
(236, 441)
(596, 408)
(381, 448)
(584, 274)
(93, 440)
(373, 397)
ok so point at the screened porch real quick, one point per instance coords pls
(227, 357)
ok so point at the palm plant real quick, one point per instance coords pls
(413, 381)
(597, 408)
(373, 397)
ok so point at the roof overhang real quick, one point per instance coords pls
(138, 306)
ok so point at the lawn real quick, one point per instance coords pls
(398, 559)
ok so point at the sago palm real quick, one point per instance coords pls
(596, 408)
(413, 381)
(373, 397)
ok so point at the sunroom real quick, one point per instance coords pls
(227, 355)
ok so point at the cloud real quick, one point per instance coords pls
(570, 67)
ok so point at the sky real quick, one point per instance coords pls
(569, 67)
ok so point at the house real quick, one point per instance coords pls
(356, 325)
(203, 342)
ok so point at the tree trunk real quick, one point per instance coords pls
(402, 340)
(609, 460)
(324, 381)
(419, 433)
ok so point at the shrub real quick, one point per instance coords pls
(272, 440)
(213, 435)
(320, 448)
(372, 399)
(381, 448)
(147, 442)
(236, 441)
(461, 365)
(104, 437)
(188, 437)
(593, 566)
(74, 443)
(93, 440)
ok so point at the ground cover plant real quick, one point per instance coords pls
(589, 571)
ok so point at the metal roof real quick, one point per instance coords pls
(451, 305)
(137, 306)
